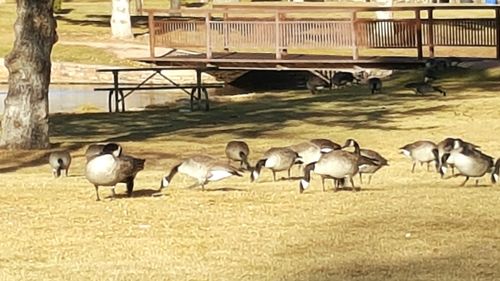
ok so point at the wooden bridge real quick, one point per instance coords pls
(262, 35)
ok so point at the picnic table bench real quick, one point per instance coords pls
(119, 91)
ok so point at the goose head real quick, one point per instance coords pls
(112, 148)
(443, 167)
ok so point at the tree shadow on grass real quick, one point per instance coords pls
(350, 109)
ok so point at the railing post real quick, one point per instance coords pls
(418, 27)
(152, 34)
(354, 36)
(430, 34)
(209, 39)
(277, 35)
(225, 32)
(497, 19)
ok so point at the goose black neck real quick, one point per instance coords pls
(173, 172)
(307, 171)
(357, 151)
(259, 165)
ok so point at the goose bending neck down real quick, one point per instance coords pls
(276, 159)
(469, 163)
(203, 168)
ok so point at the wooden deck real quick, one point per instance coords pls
(228, 60)
(243, 37)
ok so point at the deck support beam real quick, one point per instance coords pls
(430, 34)
(277, 35)
(355, 50)
(418, 27)
(497, 20)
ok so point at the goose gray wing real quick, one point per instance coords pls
(128, 166)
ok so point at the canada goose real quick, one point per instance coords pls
(203, 168)
(307, 151)
(424, 88)
(375, 85)
(238, 151)
(325, 145)
(276, 159)
(421, 152)
(377, 161)
(110, 167)
(342, 78)
(469, 162)
(315, 84)
(60, 160)
(446, 146)
(337, 165)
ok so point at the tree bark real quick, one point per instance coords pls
(121, 28)
(25, 123)
(175, 4)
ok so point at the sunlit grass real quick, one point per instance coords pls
(402, 226)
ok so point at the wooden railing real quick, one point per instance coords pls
(228, 28)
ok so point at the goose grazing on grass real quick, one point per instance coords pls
(203, 169)
(469, 162)
(338, 165)
(238, 151)
(420, 152)
(276, 159)
(375, 157)
(111, 167)
(423, 88)
(60, 160)
(308, 152)
(445, 146)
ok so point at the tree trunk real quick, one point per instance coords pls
(175, 4)
(121, 27)
(57, 6)
(25, 122)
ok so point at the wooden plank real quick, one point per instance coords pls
(497, 26)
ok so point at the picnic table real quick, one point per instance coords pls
(119, 91)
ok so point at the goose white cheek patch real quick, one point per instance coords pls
(218, 175)
(496, 177)
(304, 184)
(255, 175)
(444, 169)
(165, 182)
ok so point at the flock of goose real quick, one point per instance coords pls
(107, 165)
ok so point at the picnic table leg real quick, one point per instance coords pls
(116, 90)
(122, 98)
(192, 99)
(198, 86)
(110, 98)
(198, 89)
(207, 106)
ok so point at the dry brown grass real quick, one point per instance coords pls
(401, 227)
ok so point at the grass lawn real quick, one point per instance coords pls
(402, 226)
